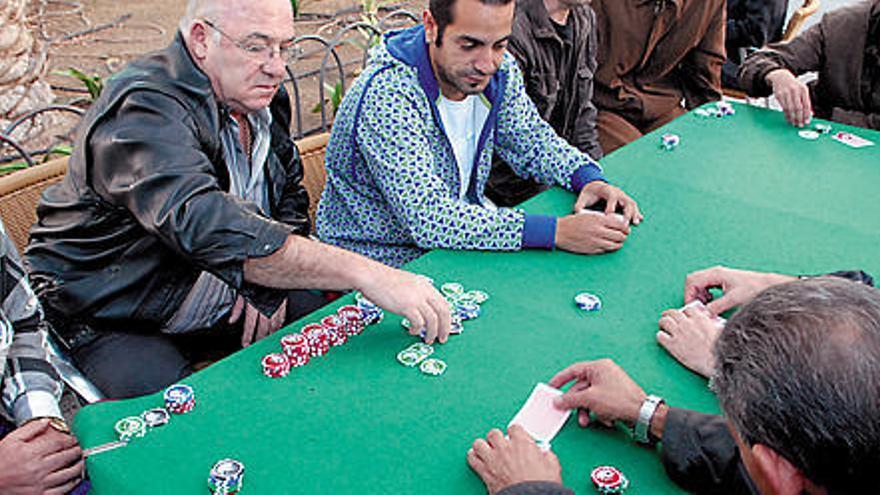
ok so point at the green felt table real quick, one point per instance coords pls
(744, 191)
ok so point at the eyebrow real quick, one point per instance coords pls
(267, 38)
(478, 41)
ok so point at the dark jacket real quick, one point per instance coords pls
(144, 207)
(655, 53)
(844, 47)
(559, 80)
(753, 23)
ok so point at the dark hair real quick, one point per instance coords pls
(798, 370)
(441, 11)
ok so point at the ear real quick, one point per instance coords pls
(430, 27)
(198, 40)
(781, 476)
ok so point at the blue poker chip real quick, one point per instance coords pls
(588, 302)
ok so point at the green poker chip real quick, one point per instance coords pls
(130, 427)
(478, 296)
(409, 358)
(452, 289)
(421, 348)
(433, 367)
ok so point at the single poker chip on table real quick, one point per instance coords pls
(154, 418)
(226, 477)
(409, 358)
(432, 366)
(588, 302)
(609, 479)
(130, 427)
(809, 134)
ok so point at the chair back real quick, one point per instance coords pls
(20, 193)
(800, 16)
(312, 150)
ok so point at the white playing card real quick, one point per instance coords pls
(851, 140)
(699, 304)
(539, 417)
(594, 212)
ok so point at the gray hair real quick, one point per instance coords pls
(798, 370)
(198, 9)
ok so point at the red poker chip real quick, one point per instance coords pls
(353, 319)
(276, 365)
(609, 479)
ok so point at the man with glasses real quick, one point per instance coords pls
(181, 226)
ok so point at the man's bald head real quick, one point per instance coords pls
(231, 10)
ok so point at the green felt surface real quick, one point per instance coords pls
(744, 191)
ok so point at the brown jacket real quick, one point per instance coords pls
(846, 57)
(655, 53)
(558, 81)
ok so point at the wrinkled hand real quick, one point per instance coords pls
(411, 296)
(601, 387)
(739, 286)
(596, 191)
(793, 96)
(502, 462)
(40, 460)
(256, 326)
(690, 337)
(591, 234)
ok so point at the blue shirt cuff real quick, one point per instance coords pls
(539, 231)
(584, 175)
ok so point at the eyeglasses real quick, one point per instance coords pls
(260, 50)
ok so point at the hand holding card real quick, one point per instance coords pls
(539, 417)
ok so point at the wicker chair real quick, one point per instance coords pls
(312, 150)
(20, 194)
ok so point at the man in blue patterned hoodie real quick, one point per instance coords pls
(412, 148)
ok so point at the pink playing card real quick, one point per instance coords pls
(538, 416)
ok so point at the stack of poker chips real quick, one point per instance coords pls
(180, 399)
(154, 418)
(130, 427)
(718, 110)
(433, 367)
(296, 348)
(372, 314)
(276, 365)
(608, 480)
(227, 477)
(352, 319)
(335, 330)
(318, 338)
(588, 302)
(669, 141)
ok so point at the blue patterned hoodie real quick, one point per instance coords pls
(392, 188)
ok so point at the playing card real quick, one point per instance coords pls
(539, 417)
(594, 212)
(851, 140)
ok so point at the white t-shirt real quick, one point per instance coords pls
(463, 121)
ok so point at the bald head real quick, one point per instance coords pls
(225, 11)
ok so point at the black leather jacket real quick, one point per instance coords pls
(144, 207)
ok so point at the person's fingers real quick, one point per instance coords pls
(612, 221)
(583, 417)
(30, 430)
(518, 433)
(66, 473)
(667, 324)
(568, 374)
(63, 458)
(573, 400)
(806, 105)
(496, 438)
(481, 448)
(431, 323)
(664, 339)
(697, 284)
(444, 318)
(417, 322)
(63, 489)
(237, 308)
(611, 202)
(249, 326)
(721, 304)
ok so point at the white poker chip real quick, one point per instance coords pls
(588, 302)
(808, 134)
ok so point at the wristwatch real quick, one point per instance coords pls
(642, 427)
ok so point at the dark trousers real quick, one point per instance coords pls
(124, 364)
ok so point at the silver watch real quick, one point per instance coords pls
(643, 424)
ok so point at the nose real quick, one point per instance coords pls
(485, 63)
(275, 66)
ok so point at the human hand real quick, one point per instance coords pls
(598, 190)
(40, 459)
(256, 325)
(690, 337)
(411, 296)
(591, 234)
(739, 286)
(601, 387)
(793, 96)
(503, 462)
